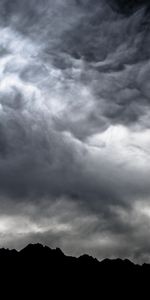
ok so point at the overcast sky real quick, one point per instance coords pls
(75, 126)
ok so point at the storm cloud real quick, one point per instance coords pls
(74, 126)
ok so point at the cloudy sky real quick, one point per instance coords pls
(75, 126)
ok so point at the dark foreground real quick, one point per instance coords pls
(47, 272)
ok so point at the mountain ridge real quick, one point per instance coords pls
(40, 249)
(40, 270)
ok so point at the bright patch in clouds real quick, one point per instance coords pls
(124, 145)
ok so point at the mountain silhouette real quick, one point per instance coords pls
(47, 270)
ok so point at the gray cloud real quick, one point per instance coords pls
(74, 127)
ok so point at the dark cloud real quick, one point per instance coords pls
(74, 126)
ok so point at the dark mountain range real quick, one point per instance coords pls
(47, 270)
(35, 255)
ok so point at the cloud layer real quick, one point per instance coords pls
(74, 126)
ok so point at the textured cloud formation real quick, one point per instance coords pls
(74, 126)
